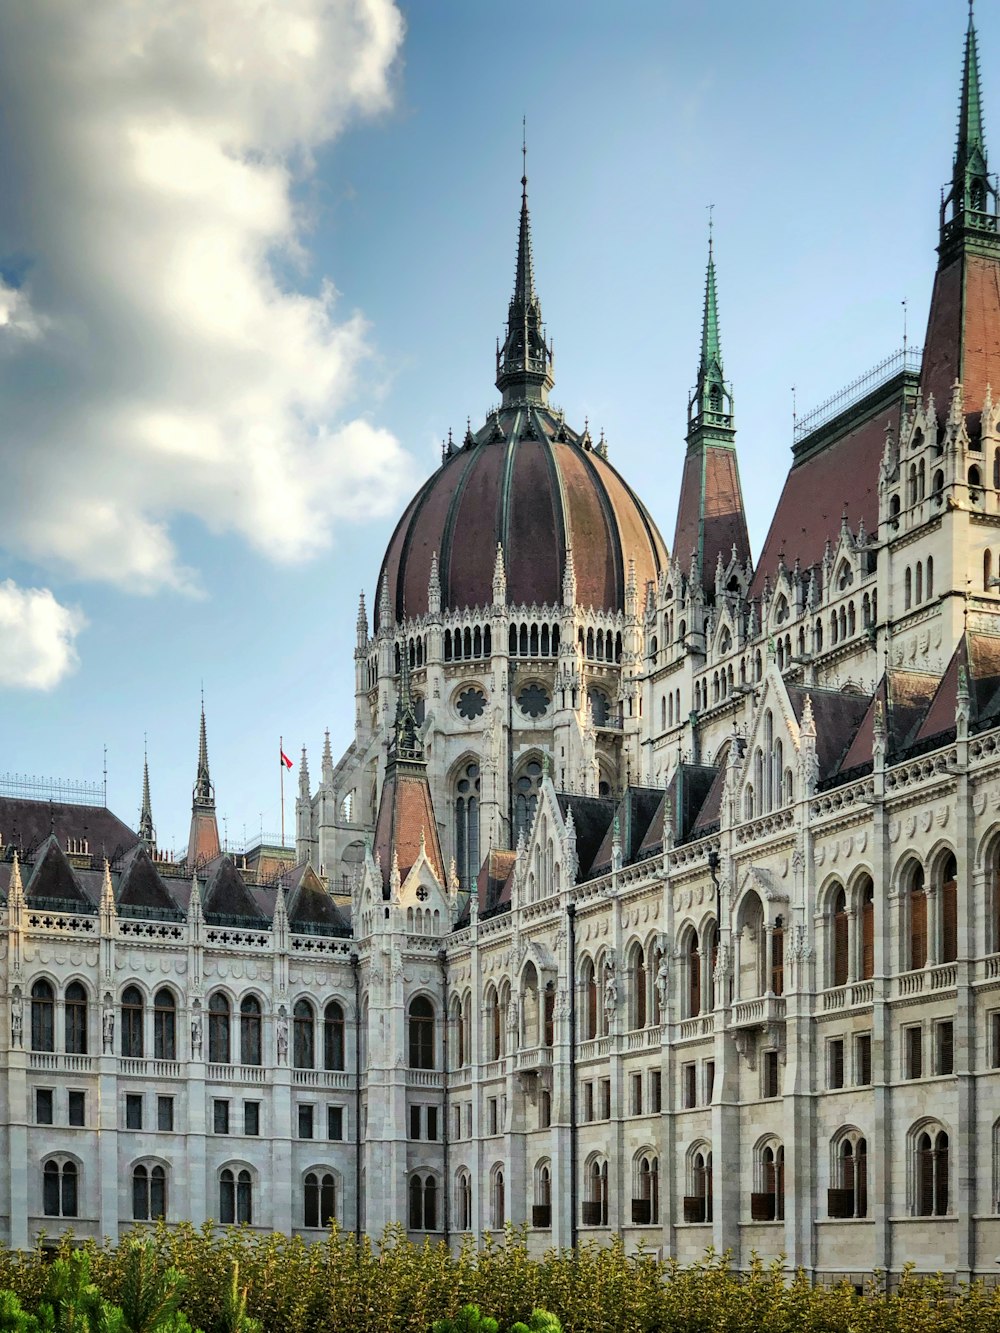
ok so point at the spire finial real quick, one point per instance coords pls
(710, 208)
(524, 362)
(147, 834)
(203, 783)
(524, 150)
(973, 196)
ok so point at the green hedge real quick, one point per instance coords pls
(337, 1287)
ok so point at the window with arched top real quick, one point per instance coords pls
(588, 985)
(333, 1036)
(251, 1037)
(595, 1202)
(304, 1043)
(930, 1172)
(133, 1023)
(498, 1199)
(987, 571)
(866, 902)
(848, 1194)
(692, 957)
(467, 861)
(43, 1016)
(948, 879)
(698, 1199)
(916, 901)
(527, 785)
(164, 1025)
(767, 1202)
(60, 1187)
(463, 1200)
(639, 983)
(76, 1019)
(420, 1023)
(218, 1029)
(149, 1192)
(541, 1209)
(840, 950)
(907, 589)
(646, 1189)
(319, 1199)
(235, 1196)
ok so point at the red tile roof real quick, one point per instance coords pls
(405, 812)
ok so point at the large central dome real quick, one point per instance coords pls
(528, 483)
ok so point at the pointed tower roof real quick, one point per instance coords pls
(963, 328)
(711, 522)
(203, 838)
(524, 363)
(147, 833)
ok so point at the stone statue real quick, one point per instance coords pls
(610, 989)
(16, 1017)
(108, 1025)
(282, 1036)
(196, 1032)
(661, 985)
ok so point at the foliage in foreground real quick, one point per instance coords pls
(236, 1281)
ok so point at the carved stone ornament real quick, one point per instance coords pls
(745, 1041)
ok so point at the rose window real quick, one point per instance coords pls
(534, 700)
(471, 703)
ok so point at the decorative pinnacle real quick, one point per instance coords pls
(204, 793)
(524, 363)
(147, 833)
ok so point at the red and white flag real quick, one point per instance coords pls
(284, 758)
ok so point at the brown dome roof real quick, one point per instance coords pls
(527, 482)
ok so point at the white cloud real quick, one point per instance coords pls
(38, 637)
(154, 360)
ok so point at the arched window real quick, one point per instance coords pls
(639, 985)
(767, 1203)
(526, 788)
(917, 902)
(848, 1195)
(467, 824)
(698, 1202)
(495, 1020)
(164, 1025)
(541, 1210)
(646, 1190)
(320, 1199)
(866, 897)
(235, 1196)
(840, 951)
(463, 1200)
(304, 1023)
(595, 1205)
(987, 570)
(149, 1193)
(549, 1014)
(60, 1180)
(43, 1017)
(918, 593)
(930, 1173)
(693, 958)
(930, 577)
(777, 985)
(76, 1019)
(498, 1199)
(133, 1015)
(251, 1043)
(588, 984)
(907, 589)
(333, 1036)
(218, 1030)
(421, 1033)
(949, 909)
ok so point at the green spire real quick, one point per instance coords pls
(710, 411)
(970, 204)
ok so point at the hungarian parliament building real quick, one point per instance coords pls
(656, 895)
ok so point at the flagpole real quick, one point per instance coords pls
(281, 765)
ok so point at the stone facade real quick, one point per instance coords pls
(670, 913)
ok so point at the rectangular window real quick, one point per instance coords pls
(456, 1116)
(491, 1111)
(432, 1122)
(414, 1122)
(44, 1098)
(655, 1091)
(944, 1048)
(220, 1115)
(637, 1094)
(165, 1113)
(863, 1058)
(689, 1074)
(468, 1120)
(133, 1110)
(605, 1099)
(835, 1063)
(913, 1052)
(305, 1122)
(334, 1122)
(251, 1119)
(995, 1040)
(769, 1069)
(77, 1108)
(709, 1081)
(544, 1109)
(588, 1101)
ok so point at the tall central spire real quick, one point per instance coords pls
(203, 839)
(203, 790)
(524, 363)
(710, 409)
(147, 833)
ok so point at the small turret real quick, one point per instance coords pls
(499, 579)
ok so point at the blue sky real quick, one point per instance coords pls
(822, 134)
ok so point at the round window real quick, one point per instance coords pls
(534, 700)
(471, 703)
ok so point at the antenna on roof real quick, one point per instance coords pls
(105, 777)
(795, 413)
(903, 304)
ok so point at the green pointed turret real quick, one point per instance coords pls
(710, 411)
(971, 203)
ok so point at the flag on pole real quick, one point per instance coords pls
(285, 759)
